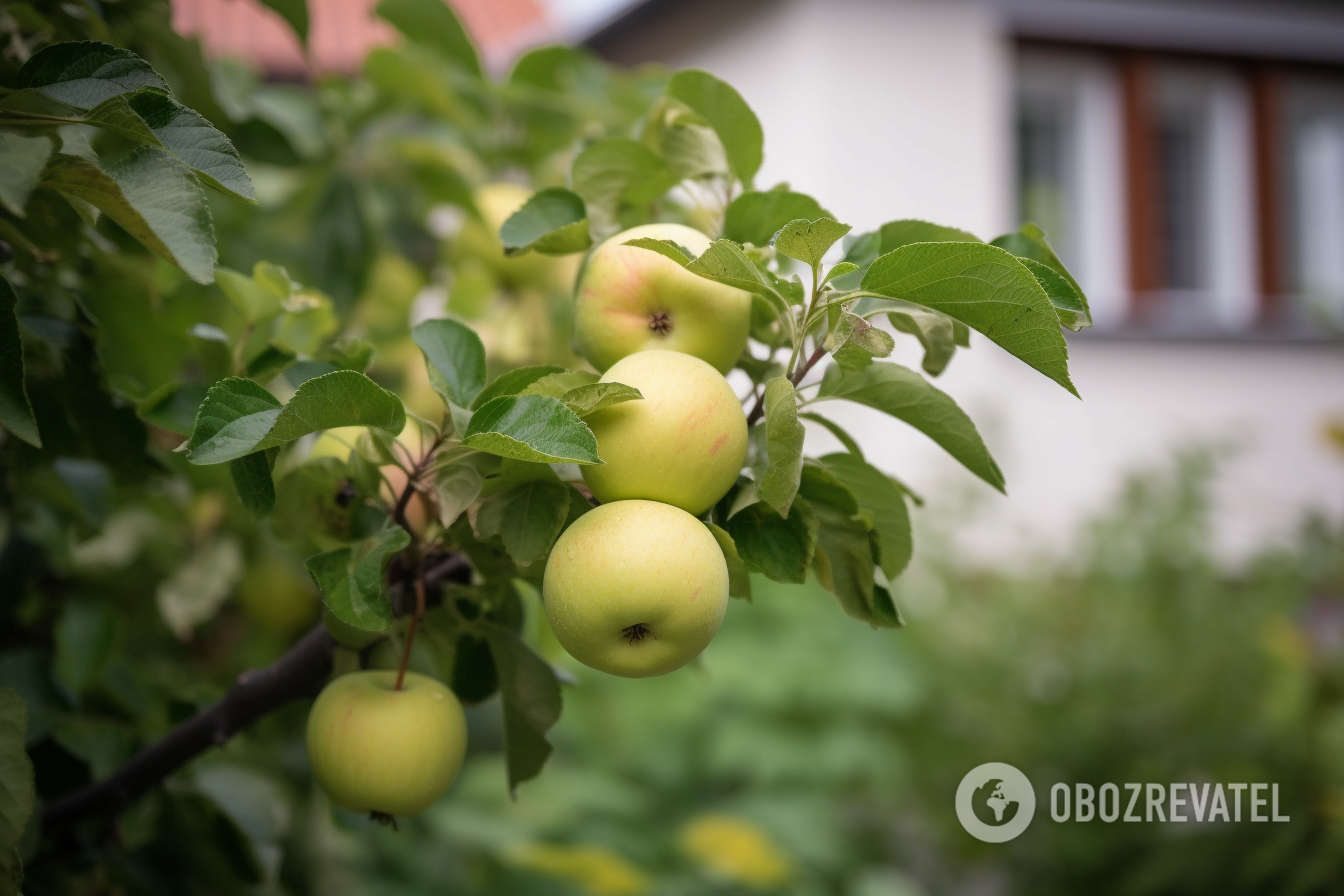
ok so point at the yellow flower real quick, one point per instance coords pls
(737, 850)
(594, 869)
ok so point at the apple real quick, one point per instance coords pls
(383, 751)
(684, 443)
(276, 597)
(635, 588)
(630, 300)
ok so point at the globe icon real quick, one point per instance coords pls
(992, 805)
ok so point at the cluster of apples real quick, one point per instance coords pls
(638, 586)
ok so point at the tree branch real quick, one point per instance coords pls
(298, 675)
(759, 408)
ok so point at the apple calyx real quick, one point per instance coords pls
(386, 820)
(661, 323)
(637, 632)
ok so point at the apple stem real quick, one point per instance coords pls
(415, 623)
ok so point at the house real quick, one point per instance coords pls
(1188, 159)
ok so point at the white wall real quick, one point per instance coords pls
(906, 112)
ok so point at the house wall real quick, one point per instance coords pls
(902, 108)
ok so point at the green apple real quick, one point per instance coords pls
(635, 588)
(684, 443)
(277, 596)
(630, 300)
(388, 752)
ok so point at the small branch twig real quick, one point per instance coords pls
(759, 408)
(415, 623)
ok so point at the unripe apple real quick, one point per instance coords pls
(277, 597)
(684, 443)
(630, 300)
(635, 588)
(379, 750)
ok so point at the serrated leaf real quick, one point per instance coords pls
(665, 248)
(725, 262)
(839, 269)
(16, 411)
(739, 577)
(531, 697)
(186, 134)
(25, 157)
(513, 382)
(455, 357)
(351, 579)
(17, 790)
(858, 342)
(727, 113)
(527, 518)
(907, 396)
(777, 483)
(433, 23)
(937, 333)
(252, 482)
(593, 397)
(781, 548)
(808, 241)
(756, 216)
(1029, 244)
(553, 222)
(238, 417)
(533, 428)
(895, 234)
(84, 74)
(844, 556)
(615, 171)
(153, 195)
(885, 502)
(557, 384)
(456, 488)
(986, 288)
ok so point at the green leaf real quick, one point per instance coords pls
(755, 217)
(553, 222)
(727, 113)
(739, 577)
(781, 548)
(197, 589)
(936, 332)
(844, 557)
(777, 483)
(593, 397)
(433, 24)
(907, 396)
(725, 262)
(531, 698)
(238, 417)
(295, 12)
(456, 488)
(808, 241)
(895, 234)
(25, 157)
(186, 134)
(86, 73)
(857, 342)
(556, 385)
(1029, 245)
(455, 358)
(533, 428)
(513, 382)
(665, 248)
(16, 411)
(834, 429)
(884, 501)
(256, 298)
(86, 640)
(1070, 304)
(153, 195)
(839, 269)
(527, 518)
(17, 791)
(616, 171)
(351, 579)
(251, 475)
(985, 288)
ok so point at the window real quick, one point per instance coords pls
(1315, 159)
